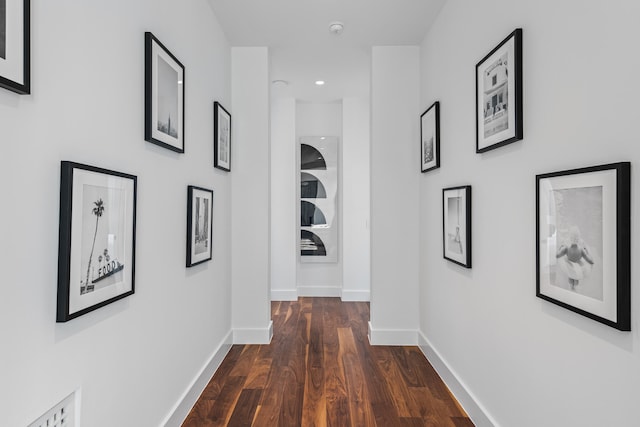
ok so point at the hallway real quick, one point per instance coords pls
(320, 370)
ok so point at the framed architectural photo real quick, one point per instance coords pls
(15, 52)
(199, 225)
(430, 138)
(97, 236)
(499, 95)
(164, 96)
(456, 225)
(583, 242)
(221, 137)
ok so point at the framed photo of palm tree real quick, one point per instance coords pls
(199, 225)
(97, 235)
(456, 225)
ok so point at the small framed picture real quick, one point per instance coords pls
(499, 95)
(430, 138)
(199, 225)
(221, 137)
(164, 96)
(583, 243)
(456, 225)
(96, 249)
(15, 51)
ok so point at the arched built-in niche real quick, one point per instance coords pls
(311, 187)
(311, 215)
(311, 158)
(311, 244)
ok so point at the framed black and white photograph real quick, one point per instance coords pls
(199, 225)
(15, 56)
(430, 138)
(97, 234)
(164, 96)
(499, 95)
(583, 241)
(221, 137)
(456, 225)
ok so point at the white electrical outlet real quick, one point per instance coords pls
(64, 414)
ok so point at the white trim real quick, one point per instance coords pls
(478, 414)
(284, 295)
(189, 398)
(319, 291)
(392, 336)
(253, 336)
(356, 295)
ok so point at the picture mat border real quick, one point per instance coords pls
(65, 239)
(216, 143)
(518, 93)
(193, 259)
(151, 134)
(436, 144)
(18, 79)
(467, 209)
(622, 238)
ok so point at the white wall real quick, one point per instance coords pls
(356, 200)
(321, 279)
(526, 361)
(87, 105)
(284, 233)
(395, 82)
(251, 195)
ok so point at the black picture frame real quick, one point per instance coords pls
(583, 243)
(221, 137)
(456, 225)
(199, 225)
(499, 113)
(15, 46)
(164, 96)
(88, 192)
(430, 138)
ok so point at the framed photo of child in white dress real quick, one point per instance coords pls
(583, 242)
(456, 225)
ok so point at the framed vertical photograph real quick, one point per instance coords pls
(221, 137)
(499, 95)
(164, 96)
(583, 229)
(456, 225)
(15, 50)
(199, 225)
(97, 236)
(430, 138)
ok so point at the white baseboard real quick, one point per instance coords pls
(355, 295)
(253, 336)
(467, 400)
(284, 295)
(180, 411)
(392, 336)
(319, 291)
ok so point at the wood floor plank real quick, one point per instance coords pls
(245, 408)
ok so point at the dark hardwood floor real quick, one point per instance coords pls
(320, 370)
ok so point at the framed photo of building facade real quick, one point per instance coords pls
(583, 241)
(456, 225)
(221, 137)
(499, 95)
(15, 51)
(164, 96)
(430, 138)
(96, 252)
(199, 225)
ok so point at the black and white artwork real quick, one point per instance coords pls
(499, 95)
(583, 241)
(164, 96)
(222, 137)
(199, 225)
(430, 138)
(318, 199)
(15, 60)
(97, 238)
(456, 223)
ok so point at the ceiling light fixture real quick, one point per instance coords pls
(280, 83)
(319, 82)
(336, 28)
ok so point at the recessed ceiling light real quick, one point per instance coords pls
(280, 83)
(336, 28)
(319, 82)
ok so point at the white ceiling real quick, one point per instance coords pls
(302, 48)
